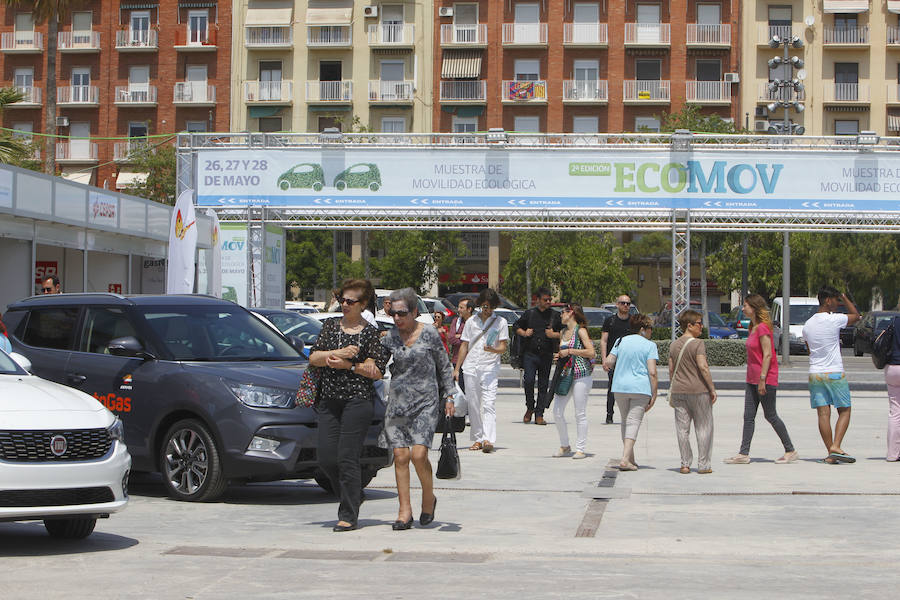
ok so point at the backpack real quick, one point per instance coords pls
(516, 351)
(883, 346)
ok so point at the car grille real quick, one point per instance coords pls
(65, 497)
(34, 446)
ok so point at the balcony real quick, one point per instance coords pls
(390, 92)
(708, 36)
(846, 93)
(846, 37)
(524, 92)
(707, 92)
(273, 93)
(646, 91)
(135, 95)
(21, 42)
(78, 42)
(464, 92)
(126, 151)
(764, 33)
(525, 34)
(137, 40)
(329, 92)
(585, 34)
(269, 37)
(580, 91)
(77, 151)
(464, 36)
(195, 40)
(78, 95)
(648, 35)
(765, 95)
(194, 93)
(31, 98)
(392, 36)
(893, 36)
(328, 36)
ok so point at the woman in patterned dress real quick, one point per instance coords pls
(421, 377)
(576, 343)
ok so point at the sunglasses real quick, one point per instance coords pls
(348, 301)
(568, 309)
(48, 290)
(486, 306)
(624, 303)
(398, 313)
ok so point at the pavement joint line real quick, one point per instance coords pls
(593, 515)
(329, 555)
(773, 493)
(459, 489)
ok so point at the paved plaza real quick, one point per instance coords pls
(520, 524)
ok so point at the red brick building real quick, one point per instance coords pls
(124, 68)
(582, 65)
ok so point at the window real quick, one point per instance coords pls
(709, 14)
(81, 84)
(526, 24)
(101, 326)
(270, 80)
(585, 18)
(527, 69)
(465, 124)
(25, 127)
(585, 125)
(198, 23)
(393, 125)
(24, 29)
(24, 80)
(329, 123)
(648, 69)
(586, 74)
(709, 70)
(81, 28)
(465, 23)
(846, 127)
(780, 21)
(269, 124)
(138, 84)
(392, 23)
(846, 81)
(845, 22)
(138, 130)
(525, 124)
(51, 328)
(195, 126)
(645, 124)
(140, 27)
(391, 70)
(195, 88)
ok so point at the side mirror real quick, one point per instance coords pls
(21, 360)
(130, 347)
(297, 343)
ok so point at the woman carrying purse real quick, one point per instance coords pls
(575, 343)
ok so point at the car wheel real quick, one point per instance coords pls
(857, 351)
(340, 185)
(317, 186)
(284, 185)
(190, 463)
(374, 186)
(70, 529)
(325, 483)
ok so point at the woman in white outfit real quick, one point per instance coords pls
(483, 341)
(575, 343)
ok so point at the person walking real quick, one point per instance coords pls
(614, 327)
(438, 317)
(575, 344)
(539, 327)
(454, 332)
(634, 359)
(484, 339)
(349, 350)
(828, 384)
(762, 382)
(691, 392)
(421, 378)
(892, 379)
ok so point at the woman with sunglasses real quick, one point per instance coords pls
(421, 386)
(353, 358)
(634, 384)
(575, 344)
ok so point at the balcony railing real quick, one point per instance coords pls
(855, 36)
(192, 92)
(268, 37)
(275, 92)
(77, 151)
(847, 92)
(893, 35)
(78, 41)
(187, 39)
(525, 34)
(700, 92)
(124, 151)
(708, 35)
(586, 34)
(464, 91)
(143, 95)
(403, 34)
(647, 34)
(21, 41)
(78, 94)
(137, 39)
(765, 32)
(464, 35)
(646, 90)
(524, 91)
(30, 96)
(328, 36)
(329, 91)
(390, 91)
(581, 90)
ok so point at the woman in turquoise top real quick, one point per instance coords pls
(634, 383)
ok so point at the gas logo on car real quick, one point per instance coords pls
(58, 445)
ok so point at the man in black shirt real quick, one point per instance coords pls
(539, 328)
(614, 327)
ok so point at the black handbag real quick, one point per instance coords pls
(883, 346)
(448, 465)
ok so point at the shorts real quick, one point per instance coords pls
(829, 389)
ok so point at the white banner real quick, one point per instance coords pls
(273, 268)
(182, 246)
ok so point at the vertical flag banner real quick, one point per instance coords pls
(215, 257)
(182, 246)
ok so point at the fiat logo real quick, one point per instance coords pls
(58, 445)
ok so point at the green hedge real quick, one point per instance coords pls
(719, 353)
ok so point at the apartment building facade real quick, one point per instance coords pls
(309, 65)
(851, 65)
(127, 69)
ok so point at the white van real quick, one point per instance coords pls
(802, 308)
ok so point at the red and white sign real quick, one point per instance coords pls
(103, 209)
(115, 288)
(44, 269)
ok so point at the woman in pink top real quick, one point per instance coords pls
(762, 381)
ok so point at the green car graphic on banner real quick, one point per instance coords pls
(360, 175)
(304, 175)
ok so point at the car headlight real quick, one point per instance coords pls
(259, 396)
(116, 430)
(733, 336)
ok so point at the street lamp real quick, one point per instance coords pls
(783, 90)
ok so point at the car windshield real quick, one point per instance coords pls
(217, 333)
(307, 329)
(715, 320)
(800, 313)
(8, 366)
(284, 321)
(882, 321)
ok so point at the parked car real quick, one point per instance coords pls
(304, 175)
(612, 307)
(290, 323)
(359, 176)
(424, 313)
(847, 333)
(205, 390)
(435, 304)
(802, 308)
(384, 323)
(868, 329)
(505, 302)
(300, 307)
(63, 459)
(596, 316)
(739, 322)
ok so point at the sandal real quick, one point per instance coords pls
(475, 446)
(685, 470)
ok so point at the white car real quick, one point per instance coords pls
(63, 459)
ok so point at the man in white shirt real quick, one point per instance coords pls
(827, 382)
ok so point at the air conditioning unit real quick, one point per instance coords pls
(759, 125)
(732, 78)
(762, 112)
(370, 11)
(62, 121)
(445, 11)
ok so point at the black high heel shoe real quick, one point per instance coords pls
(426, 518)
(399, 525)
(350, 527)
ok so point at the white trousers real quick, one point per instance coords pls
(481, 394)
(579, 391)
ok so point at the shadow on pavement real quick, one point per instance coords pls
(31, 539)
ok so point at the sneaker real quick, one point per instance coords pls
(789, 457)
(737, 459)
(579, 455)
(563, 451)
(609, 420)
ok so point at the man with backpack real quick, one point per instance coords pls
(539, 327)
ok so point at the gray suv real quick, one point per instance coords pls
(205, 389)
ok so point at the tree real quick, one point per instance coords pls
(585, 267)
(415, 259)
(158, 162)
(655, 247)
(764, 264)
(308, 259)
(14, 149)
(690, 118)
